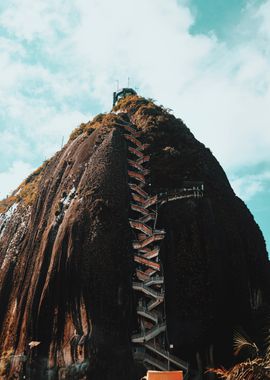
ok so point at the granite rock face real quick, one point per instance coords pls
(67, 263)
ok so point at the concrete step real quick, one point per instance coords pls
(147, 263)
(138, 189)
(131, 129)
(141, 236)
(135, 164)
(181, 364)
(145, 202)
(150, 362)
(156, 280)
(143, 312)
(143, 159)
(138, 198)
(156, 364)
(146, 336)
(147, 290)
(145, 275)
(135, 141)
(136, 152)
(136, 224)
(144, 243)
(138, 176)
(153, 304)
(140, 209)
(144, 228)
(150, 201)
(150, 253)
(150, 217)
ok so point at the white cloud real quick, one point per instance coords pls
(221, 92)
(60, 55)
(10, 179)
(247, 186)
(263, 13)
(30, 19)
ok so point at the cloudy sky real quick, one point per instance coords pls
(208, 60)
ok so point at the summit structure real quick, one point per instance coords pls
(122, 93)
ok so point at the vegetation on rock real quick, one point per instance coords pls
(256, 367)
(27, 191)
(67, 261)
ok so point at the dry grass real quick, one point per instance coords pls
(131, 104)
(89, 127)
(134, 103)
(241, 342)
(257, 368)
(101, 120)
(27, 191)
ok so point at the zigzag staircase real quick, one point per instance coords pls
(150, 342)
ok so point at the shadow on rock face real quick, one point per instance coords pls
(67, 261)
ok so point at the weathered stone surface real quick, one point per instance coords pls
(66, 257)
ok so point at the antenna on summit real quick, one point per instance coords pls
(128, 82)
